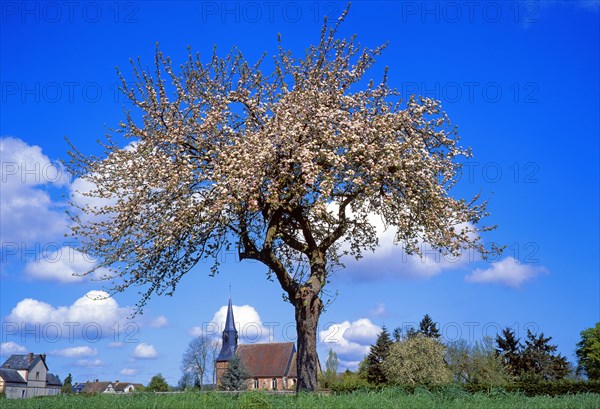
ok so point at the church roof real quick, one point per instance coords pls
(230, 337)
(276, 359)
(229, 321)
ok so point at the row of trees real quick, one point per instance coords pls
(420, 357)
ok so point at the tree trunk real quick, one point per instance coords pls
(308, 308)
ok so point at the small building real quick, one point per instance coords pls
(78, 387)
(272, 365)
(109, 387)
(127, 387)
(26, 376)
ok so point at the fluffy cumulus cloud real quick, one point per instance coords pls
(509, 272)
(144, 351)
(75, 352)
(9, 348)
(351, 341)
(28, 214)
(83, 193)
(247, 321)
(65, 265)
(389, 260)
(128, 371)
(90, 316)
(159, 322)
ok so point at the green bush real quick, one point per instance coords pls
(348, 382)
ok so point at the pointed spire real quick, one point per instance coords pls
(230, 322)
(230, 336)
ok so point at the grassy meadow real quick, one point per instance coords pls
(387, 398)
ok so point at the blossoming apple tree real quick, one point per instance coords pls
(284, 166)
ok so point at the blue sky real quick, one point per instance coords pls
(520, 79)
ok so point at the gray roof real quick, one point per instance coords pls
(52, 379)
(11, 375)
(22, 361)
(230, 336)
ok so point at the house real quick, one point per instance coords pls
(25, 376)
(108, 387)
(98, 387)
(271, 365)
(78, 387)
(127, 387)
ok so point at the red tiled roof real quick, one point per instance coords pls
(120, 386)
(95, 387)
(269, 360)
(293, 373)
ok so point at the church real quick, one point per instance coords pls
(272, 365)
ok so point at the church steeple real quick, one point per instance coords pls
(230, 336)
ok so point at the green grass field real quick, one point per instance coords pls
(388, 398)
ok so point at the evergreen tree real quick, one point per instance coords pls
(67, 384)
(509, 349)
(411, 332)
(539, 359)
(588, 353)
(235, 377)
(428, 328)
(377, 355)
(397, 333)
(535, 360)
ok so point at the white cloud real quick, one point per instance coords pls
(66, 265)
(9, 348)
(379, 310)
(159, 322)
(26, 209)
(89, 316)
(390, 260)
(507, 272)
(350, 341)
(247, 321)
(128, 371)
(115, 345)
(83, 194)
(144, 351)
(75, 352)
(89, 363)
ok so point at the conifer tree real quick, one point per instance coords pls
(539, 359)
(509, 348)
(235, 377)
(535, 360)
(429, 328)
(377, 355)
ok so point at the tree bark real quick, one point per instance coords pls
(308, 307)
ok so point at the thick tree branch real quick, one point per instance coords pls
(341, 227)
